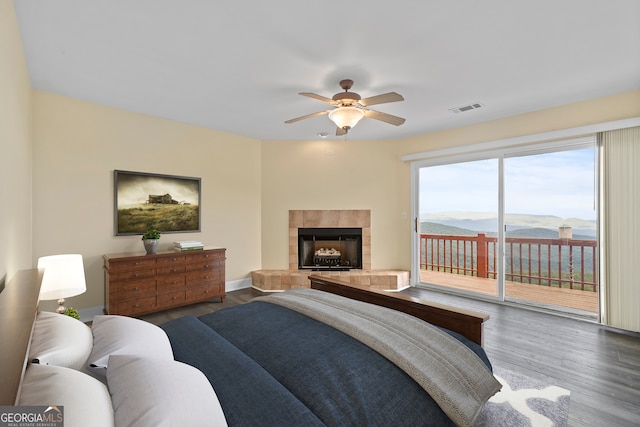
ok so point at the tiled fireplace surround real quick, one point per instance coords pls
(279, 280)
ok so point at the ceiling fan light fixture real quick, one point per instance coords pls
(348, 108)
(346, 117)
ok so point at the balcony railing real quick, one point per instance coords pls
(563, 263)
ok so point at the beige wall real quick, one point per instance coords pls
(370, 175)
(616, 107)
(325, 174)
(77, 145)
(15, 149)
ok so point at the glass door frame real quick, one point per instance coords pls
(499, 153)
(415, 237)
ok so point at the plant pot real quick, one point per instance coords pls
(150, 245)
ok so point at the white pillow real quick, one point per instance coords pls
(85, 400)
(125, 335)
(156, 392)
(60, 340)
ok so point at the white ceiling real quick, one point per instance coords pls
(237, 66)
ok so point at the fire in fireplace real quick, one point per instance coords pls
(329, 248)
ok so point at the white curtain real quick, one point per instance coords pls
(621, 228)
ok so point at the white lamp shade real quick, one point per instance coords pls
(63, 276)
(346, 117)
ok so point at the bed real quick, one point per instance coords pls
(305, 357)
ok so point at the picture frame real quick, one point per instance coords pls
(144, 201)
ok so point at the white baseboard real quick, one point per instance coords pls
(268, 290)
(237, 284)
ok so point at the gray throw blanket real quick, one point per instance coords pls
(451, 373)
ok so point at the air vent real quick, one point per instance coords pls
(466, 108)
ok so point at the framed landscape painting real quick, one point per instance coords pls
(146, 201)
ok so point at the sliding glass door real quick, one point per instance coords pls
(550, 222)
(519, 226)
(458, 226)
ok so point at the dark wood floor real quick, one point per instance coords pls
(600, 365)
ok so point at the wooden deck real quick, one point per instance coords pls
(569, 298)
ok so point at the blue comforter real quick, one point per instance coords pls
(271, 366)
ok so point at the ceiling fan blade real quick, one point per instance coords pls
(340, 131)
(381, 99)
(308, 116)
(318, 97)
(384, 117)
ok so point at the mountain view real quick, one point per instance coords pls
(518, 225)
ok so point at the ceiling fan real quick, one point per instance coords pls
(349, 108)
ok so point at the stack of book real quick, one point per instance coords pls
(188, 245)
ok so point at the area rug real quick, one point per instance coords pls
(524, 401)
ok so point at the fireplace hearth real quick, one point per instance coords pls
(329, 249)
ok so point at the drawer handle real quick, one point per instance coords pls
(175, 259)
(174, 282)
(174, 270)
(136, 288)
(206, 266)
(136, 305)
(136, 275)
(206, 255)
(173, 298)
(206, 277)
(137, 263)
(206, 291)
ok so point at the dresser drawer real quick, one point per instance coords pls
(201, 293)
(166, 261)
(204, 256)
(132, 306)
(169, 283)
(138, 263)
(205, 277)
(172, 299)
(140, 274)
(134, 288)
(174, 269)
(205, 264)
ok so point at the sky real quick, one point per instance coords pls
(559, 184)
(135, 189)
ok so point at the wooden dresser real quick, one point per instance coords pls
(137, 283)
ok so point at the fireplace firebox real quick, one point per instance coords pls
(329, 248)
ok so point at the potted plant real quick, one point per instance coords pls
(72, 312)
(150, 239)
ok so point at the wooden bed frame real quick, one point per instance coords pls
(19, 305)
(465, 322)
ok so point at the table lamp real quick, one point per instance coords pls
(63, 278)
